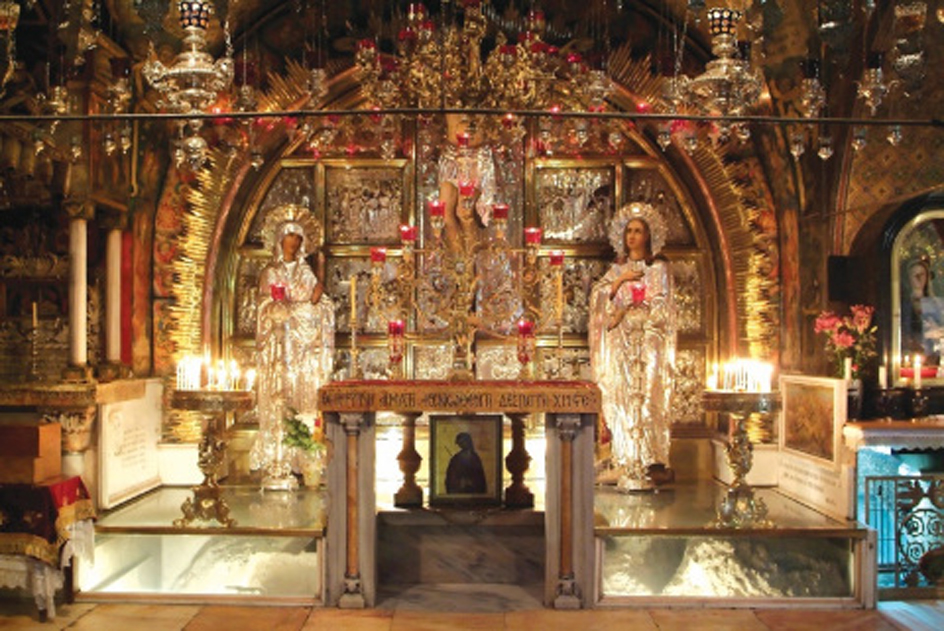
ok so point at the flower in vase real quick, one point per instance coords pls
(851, 336)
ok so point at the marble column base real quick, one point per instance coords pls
(77, 374)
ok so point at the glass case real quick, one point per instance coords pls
(274, 552)
(667, 545)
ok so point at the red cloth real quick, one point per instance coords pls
(34, 517)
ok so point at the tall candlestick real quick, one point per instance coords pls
(353, 318)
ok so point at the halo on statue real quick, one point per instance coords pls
(290, 218)
(637, 210)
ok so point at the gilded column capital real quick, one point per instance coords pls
(76, 424)
(567, 425)
(79, 209)
(113, 221)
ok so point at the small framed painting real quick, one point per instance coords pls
(465, 460)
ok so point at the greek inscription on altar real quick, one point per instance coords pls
(522, 401)
(398, 401)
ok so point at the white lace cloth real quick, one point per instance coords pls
(19, 571)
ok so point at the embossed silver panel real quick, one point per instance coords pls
(363, 205)
(575, 203)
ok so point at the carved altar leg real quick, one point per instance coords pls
(517, 495)
(409, 495)
(353, 596)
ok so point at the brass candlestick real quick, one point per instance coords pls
(740, 508)
(207, 503)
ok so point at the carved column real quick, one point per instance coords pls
(353, 596)
(567, 596)
(112, 369)
(409, 495)
(517, 495)
(76, 424)
(80, 212)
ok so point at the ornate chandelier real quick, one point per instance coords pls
(194, 80)
(730, 86)
(444, 68)
(9, 17)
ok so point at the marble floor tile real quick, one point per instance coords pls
(707, 620)
(584, 620)
(817, 620)
(915, 615)
(219, 617)
(348, 620)
(465, 597)
(138, 617)
(416, 621)
(21, 614)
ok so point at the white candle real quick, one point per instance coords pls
(917, 372)
(882, 377)
(353, 303)
(35, 316)
(847, 368)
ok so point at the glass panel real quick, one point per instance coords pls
(727, 566)
(918, 296)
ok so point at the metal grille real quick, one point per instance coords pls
(908, 514)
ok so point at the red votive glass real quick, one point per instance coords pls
(556, 258)
(378, 255)
(638, 292)
(407, 233)
(278, 291)
(500, 211)
(437, 208)
(525, 328)
(467, 189)
(532, 236)
(462, 139)
(395, 328)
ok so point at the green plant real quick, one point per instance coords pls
(297, 433)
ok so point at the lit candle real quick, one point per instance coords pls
(500, 211)
(712, 383)
(557, 258)
(847, 368)
(395, 328)
(882, 377)
(35, 316)
(917, 372)
(250, 378)
(467, 189)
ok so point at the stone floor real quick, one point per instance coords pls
(890, 616)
